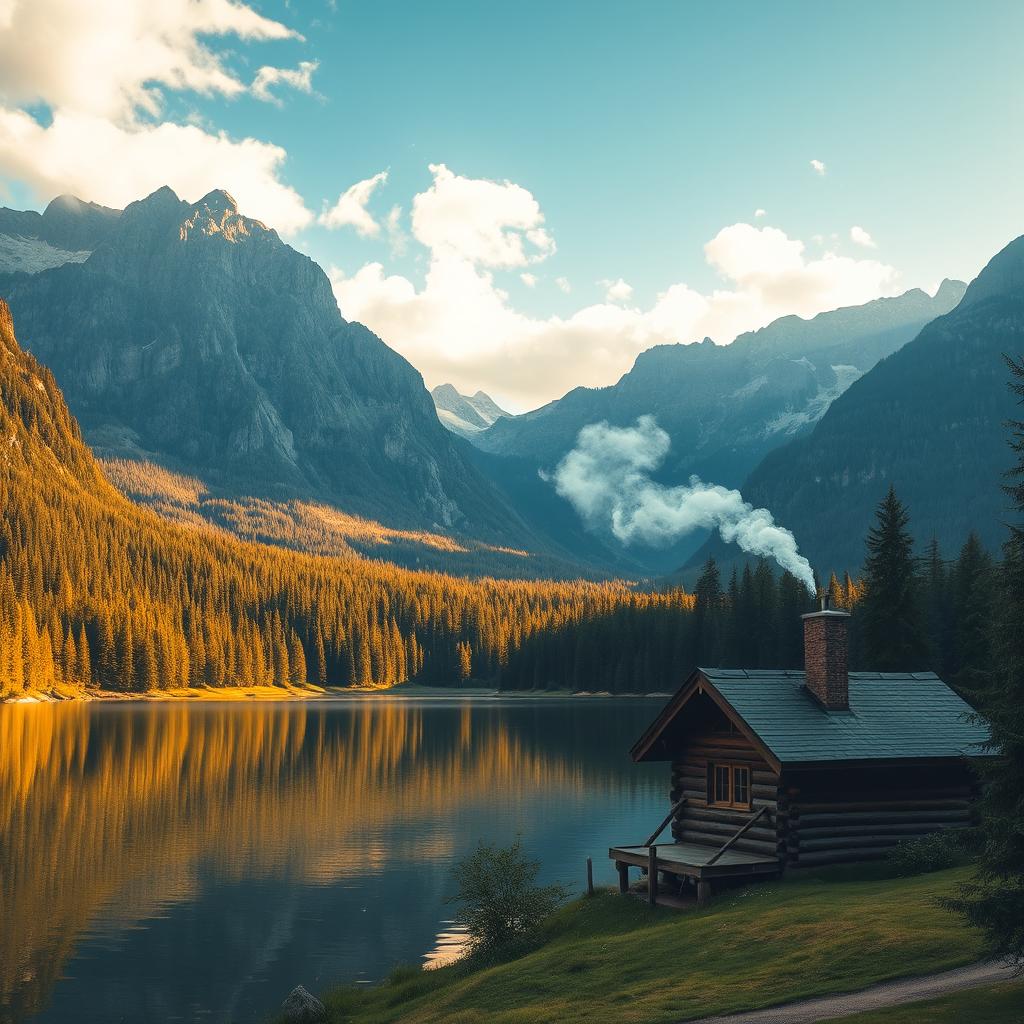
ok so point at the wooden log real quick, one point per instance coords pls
(652, 875)
(847, 843)
(880, 817)
(590, 877)
(623, 870)
(724, 815)
(841, 856)
(703, 892)
(884, 805)
(901, 828)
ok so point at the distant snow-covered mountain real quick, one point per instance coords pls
(466, 415)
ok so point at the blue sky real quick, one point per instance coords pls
(640, 130)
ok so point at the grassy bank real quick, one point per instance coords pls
(609, 960)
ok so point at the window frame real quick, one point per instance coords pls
(732, 768)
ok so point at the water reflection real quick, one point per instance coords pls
(180, 862)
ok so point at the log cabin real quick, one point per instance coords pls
(777, 770)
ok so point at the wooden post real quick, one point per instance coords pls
(590, 877)
(652, 875)
(623, 869)
(703, 892)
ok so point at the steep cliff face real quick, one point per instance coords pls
(196, 337)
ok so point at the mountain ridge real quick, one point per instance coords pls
(195, 337)
(929, 419)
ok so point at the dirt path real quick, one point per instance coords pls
(890, 993)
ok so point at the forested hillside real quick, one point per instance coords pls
(95, 591)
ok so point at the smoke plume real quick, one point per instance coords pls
(607, 479)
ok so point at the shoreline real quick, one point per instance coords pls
(269, 694)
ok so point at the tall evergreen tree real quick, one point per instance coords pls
(891, 628)
(996, 901)
(971, 616)
(706, 614)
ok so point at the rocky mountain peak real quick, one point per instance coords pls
(1003, 275)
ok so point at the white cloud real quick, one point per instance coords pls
(350, 209)
(530, 280)
(103, 162)
(759, 212)
(494, 224)
(300, 79)
(100, 72)
(563, 284)
(861, 237)
(397, 238)
(616, 291)
(460, 326)
(818, 167)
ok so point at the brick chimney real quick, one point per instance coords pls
(825, 656)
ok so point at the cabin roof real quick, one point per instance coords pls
(893, 716)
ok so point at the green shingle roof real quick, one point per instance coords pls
(892, 715)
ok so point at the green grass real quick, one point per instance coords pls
(995, 1004)
(609, 959)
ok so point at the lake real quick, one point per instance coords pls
(195, 862)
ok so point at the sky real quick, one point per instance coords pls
(521, 197)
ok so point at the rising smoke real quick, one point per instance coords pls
(607, 479)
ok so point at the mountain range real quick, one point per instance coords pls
(191, 337)
(724, 406)
(214, 375)
(930, 419)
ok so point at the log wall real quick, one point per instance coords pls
(837, 816)
(697, 822)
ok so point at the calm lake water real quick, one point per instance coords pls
(170, 862)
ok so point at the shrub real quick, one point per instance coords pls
(499, 903)
(933, 852)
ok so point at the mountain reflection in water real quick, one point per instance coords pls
(176, 862)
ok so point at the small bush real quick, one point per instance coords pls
(498, 903)
(933, 852)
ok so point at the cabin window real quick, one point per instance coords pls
(729, 785)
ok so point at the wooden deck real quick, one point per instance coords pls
(690, 860)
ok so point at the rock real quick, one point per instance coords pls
(303, 1007)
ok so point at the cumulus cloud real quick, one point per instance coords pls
(607, 478)
(617, 291)
(459, 325)
(490, 223)
(759, 212)
(350, 209)
(300, 79)
(100, 73)
(818, 167)
(530, 280)
(563, 284)
(861, 237)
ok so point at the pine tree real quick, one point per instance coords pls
(890, 620)
(996, 901)
(971, 587)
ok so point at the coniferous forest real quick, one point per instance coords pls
(96, 592)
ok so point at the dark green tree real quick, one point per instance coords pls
(706, 615)
(938, 610)
(891, 628)
(996, 901)
(971, 614)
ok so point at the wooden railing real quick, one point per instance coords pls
(740, 832)
(653, 837)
